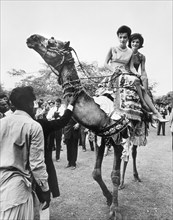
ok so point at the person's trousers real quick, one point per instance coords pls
(51, 141)
(72, 148)
(91, 145)
(161, 125)
(58, 138)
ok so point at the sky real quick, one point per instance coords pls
(91, 27)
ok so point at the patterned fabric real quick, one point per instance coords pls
(127, 100)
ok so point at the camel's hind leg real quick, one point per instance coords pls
(115, 176)
(97, 171)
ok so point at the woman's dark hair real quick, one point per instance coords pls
(20, 97)
(124, 29)
(134, 37)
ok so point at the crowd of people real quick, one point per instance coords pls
(31, 130)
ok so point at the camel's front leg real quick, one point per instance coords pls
(97, 171)
(115, 176)
(135, 172)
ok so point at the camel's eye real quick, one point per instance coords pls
(34, 37)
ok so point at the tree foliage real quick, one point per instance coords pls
(44, 82)
(165, 99)
(3, 90)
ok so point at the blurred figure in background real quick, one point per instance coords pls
(161, 124)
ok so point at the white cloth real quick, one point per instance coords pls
(62, 109)
(20, 212)
(51, 112)
(107, 106)
(8, 113)
(44, 214)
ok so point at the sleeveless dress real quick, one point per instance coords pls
(127, 100)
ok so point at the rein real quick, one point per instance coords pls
(63, 61)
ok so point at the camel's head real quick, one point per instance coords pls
(55, 53)
(51, 50)
(35, 41)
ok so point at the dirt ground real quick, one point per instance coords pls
(82, 199)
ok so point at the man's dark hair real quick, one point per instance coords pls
(3, 95)
(58, 100)
(124, 29)
(21, 96)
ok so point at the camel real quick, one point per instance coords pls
(58, 55)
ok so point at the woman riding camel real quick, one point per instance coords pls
(130, 95)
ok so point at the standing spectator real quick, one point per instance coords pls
(92, 139)
(169, 109)
(50, 114)
(49, 127)
(82, 137)
(71, 137)
(161, 124)
(41, 111)
(4, 104)
(23, 160)
(58, 134)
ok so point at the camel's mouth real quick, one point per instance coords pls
(36, 40)
(29, 44)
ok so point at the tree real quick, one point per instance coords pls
(165, 99)
(2, 90)
(44, 82)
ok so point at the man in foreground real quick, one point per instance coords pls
(21, 158)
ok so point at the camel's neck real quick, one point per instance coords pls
(69, 79)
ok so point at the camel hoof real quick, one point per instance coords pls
(137, 179)
(115, 215)
(121, 186)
